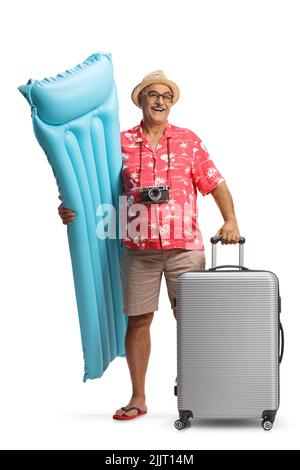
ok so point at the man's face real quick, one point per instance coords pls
(156, 108)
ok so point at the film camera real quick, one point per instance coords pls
(155, 194)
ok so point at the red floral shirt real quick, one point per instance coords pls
(190, 168)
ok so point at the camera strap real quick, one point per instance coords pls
(169, 163)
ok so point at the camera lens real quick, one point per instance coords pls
(154, 194)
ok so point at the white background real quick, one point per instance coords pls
(237, 65)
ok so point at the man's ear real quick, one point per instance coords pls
(139, 99)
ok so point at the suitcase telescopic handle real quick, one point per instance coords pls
(214, 240)
(217, 238)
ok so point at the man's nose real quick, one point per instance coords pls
(160, 99)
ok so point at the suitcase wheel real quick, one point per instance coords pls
(181, 423)
(267, 424)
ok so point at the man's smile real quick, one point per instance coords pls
(158, 109)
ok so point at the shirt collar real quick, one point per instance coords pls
(141, 137)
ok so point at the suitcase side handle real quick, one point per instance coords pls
(281, 342)
(214, 240)
(242, 268)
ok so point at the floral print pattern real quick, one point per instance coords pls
(191, 168)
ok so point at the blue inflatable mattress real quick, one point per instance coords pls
(75, 120)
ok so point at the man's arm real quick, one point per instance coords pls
(229, 231)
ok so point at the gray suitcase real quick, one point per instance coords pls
(229, 343)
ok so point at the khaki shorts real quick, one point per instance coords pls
(141, 273)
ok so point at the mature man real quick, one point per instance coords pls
(173, 159)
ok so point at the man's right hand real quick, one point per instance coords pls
(66, 214)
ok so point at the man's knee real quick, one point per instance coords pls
(139, 321)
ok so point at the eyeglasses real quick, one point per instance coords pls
(154, 96)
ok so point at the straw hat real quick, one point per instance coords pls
(157, 76)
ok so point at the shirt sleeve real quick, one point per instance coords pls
(206, 176)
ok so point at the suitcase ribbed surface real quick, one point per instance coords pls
(227, 343)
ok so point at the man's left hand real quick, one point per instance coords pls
(229, 232)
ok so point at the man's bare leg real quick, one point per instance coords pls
(137, 347)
